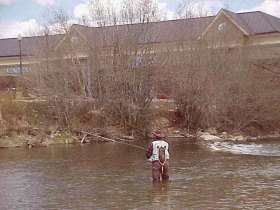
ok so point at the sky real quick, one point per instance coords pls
(21, 16)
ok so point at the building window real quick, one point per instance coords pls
(222, 27)
(136, 61)
(75, 40)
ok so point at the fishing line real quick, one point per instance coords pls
(132, 145)
(108, 139)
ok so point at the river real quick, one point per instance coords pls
(116, 176)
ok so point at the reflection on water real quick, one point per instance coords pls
(114, 176)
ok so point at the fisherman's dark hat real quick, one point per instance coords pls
(159, 133)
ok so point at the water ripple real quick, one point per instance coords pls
(258, 149)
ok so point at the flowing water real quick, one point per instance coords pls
(116, 176)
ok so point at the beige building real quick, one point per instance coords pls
(257, 31)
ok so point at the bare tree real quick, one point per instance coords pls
(191, 9)
(216, 86)
(2, 125)
(130, 11)
(212, 83)
(57, 20)
(123, 76)
(116, 74)
(103, 13)
(149, 11)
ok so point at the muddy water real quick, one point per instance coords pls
(115, 176)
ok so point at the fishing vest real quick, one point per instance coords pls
(156, 146)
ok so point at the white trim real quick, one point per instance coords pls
(267, 34)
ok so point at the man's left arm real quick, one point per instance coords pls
(149, 151)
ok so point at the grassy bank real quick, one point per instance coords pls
(31, 123)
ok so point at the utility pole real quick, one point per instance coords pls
(19, 38)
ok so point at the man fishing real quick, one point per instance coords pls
(158, 154)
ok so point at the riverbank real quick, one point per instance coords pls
(39, 138)
(28, 141)
(28, 124)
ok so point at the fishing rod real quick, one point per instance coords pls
(135, 146)
(112, 140)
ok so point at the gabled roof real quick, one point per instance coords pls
(255, 22)
(250, 23)
(29, 45)
(261, 22)
(154, 32)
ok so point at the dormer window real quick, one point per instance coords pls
(223, 27)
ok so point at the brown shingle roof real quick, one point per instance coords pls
(255, 22)
(30, 45)
(176, 30)
(165, 31)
